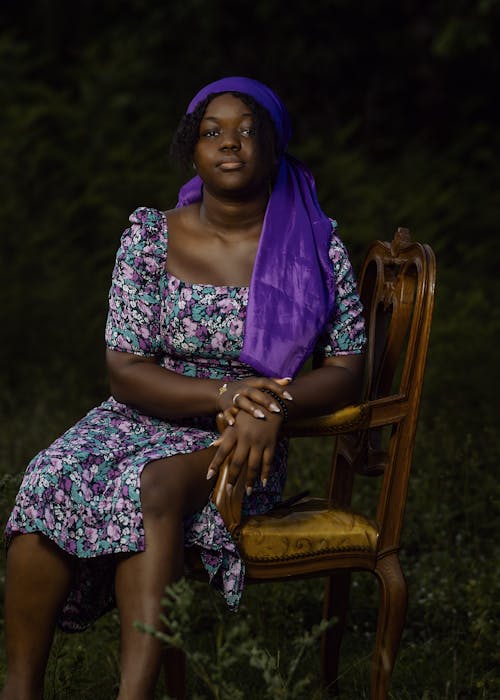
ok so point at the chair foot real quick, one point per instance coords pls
(337, 588)
(391, 618)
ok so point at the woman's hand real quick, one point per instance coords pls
(252, 442)
(250, 395)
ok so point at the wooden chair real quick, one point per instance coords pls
(324, 536)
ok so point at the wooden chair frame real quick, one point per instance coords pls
(396, 285)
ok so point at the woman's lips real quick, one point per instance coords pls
(231, 164)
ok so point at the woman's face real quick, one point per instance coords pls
(231, 156)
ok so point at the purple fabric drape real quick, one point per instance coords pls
(292, 290)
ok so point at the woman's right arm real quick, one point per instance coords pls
(141, 382)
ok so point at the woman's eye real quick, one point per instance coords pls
(212, 133)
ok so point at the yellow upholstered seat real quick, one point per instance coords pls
(307, 529)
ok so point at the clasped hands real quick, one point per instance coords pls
(253, 410)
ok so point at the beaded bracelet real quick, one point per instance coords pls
(280, 401)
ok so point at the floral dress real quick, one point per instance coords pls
(83, 491)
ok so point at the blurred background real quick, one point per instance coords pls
(394, 107)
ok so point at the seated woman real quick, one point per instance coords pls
(214, 308)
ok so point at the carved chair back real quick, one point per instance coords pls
(396, 285)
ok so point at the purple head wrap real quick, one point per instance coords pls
(292, 289)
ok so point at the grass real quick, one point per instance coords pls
(269, 649)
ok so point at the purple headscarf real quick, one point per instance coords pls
(292, 290)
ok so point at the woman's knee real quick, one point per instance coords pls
(161, 488)
(176, 485)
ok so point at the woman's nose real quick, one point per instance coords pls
(230, 140)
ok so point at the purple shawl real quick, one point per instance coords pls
(292, 290)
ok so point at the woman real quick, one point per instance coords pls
(255, 278)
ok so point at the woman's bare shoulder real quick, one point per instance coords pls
(183, 216)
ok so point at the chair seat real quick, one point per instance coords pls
(310, 527)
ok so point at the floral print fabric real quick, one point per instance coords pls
(83, 491)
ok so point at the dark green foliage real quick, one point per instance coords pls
(393, 108)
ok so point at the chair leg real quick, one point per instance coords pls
(175, 673)
(393, 592)
(337, 588)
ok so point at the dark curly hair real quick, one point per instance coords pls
(187, 134)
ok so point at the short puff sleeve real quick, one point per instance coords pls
(133, 323)
(344, 334)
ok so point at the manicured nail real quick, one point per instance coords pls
(274, 408)
(258, 413)
(264, 483)
(230, 421)
(229, 489)
(287, 396)
(210, 474)
(288, 379)
(249, 490)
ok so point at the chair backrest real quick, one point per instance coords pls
(396, 285)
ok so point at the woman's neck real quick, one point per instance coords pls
(230, 216)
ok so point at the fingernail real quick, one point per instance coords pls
(264, 483)
(288, 379)
(287, 396)
(210, 474)
(229, 489)
(274, 408)
(213, 442)
(230, 421)
(249, 490)
(258, 413)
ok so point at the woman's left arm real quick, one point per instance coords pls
(336, 383)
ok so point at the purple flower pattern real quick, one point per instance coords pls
(83, 491)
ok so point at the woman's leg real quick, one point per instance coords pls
(38, 578)
(170, 489)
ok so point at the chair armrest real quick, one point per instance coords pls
(229, 505)
(372, 414)
(342, 421)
